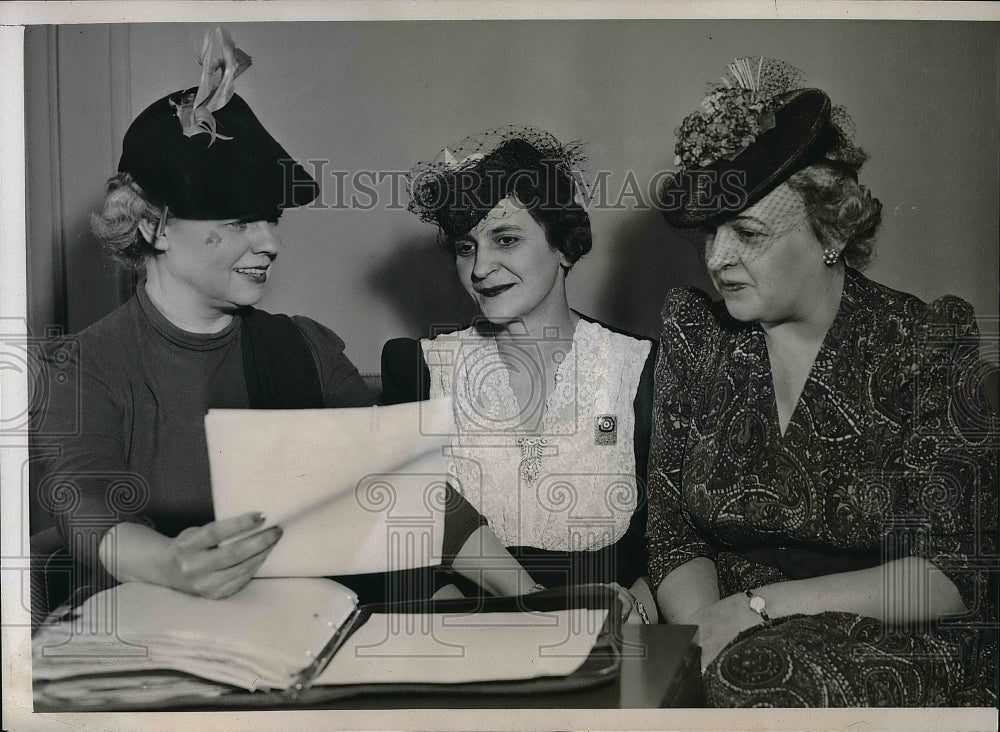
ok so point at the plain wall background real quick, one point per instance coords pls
(381, 96)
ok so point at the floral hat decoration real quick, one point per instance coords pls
(465, 181)
(203, 154)
(752, 132)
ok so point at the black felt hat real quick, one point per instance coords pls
(205, 176)
(802, 134)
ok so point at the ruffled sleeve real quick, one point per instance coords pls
(686, 341)
(946, 507)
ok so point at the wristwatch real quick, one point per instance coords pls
(759, 606)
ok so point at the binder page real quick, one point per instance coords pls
(453, 648)
(355, 490)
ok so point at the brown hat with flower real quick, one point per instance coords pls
(753, 132)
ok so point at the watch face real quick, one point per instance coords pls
(757, 603)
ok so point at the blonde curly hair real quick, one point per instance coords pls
(840, 209)
(116, 222)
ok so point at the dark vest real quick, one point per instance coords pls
(278, 363)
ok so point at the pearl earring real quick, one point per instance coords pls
(830, 256)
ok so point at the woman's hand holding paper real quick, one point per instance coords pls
(203, 563)
(214, 560)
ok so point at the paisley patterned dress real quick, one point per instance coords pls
(890, 452)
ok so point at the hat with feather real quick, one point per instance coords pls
(202, 153)
(752, 132)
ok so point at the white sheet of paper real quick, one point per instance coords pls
(355, 490)
(448, 648)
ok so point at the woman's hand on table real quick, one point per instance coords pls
(720, 622)
(201, 561)
(633, 612)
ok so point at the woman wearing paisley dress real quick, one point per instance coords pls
(551, 408)
(823, 463)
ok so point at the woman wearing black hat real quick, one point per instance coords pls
(823, 465)
(195, 206)
(552, 409)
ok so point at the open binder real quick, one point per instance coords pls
(149, 659)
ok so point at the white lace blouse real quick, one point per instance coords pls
(557, 473)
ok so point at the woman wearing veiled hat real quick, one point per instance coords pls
(551, 408)
(823, 466)
(195, 208)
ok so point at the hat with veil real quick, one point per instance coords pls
(753, 131)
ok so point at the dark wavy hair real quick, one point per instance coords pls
(566, 226)
(520, 162)
(840, 209)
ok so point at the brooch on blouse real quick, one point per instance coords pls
(531, 457)
(606, 429)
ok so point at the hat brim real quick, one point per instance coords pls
(801, 135)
